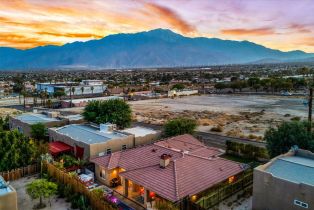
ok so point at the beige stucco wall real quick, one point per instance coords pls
(92, 150)
(110, 174)
(148, 139)
(271, 193)
(8, 201)
(26, 128)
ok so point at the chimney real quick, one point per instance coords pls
(164, 160)
(107, 128)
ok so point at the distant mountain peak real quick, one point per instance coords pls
(154, 48)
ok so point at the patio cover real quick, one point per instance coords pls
(58, 147)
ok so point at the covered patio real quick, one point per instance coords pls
(57, 147)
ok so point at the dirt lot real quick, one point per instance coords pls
(26, 203)
(237, 116)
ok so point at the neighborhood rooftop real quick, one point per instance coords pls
(88, 134)
(139, 131)
(297, 169)
(33, 118)
(194, 167)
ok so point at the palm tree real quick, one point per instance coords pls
(92, 89)
(82, 90)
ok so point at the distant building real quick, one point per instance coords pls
(286, 182)
(88, 87)
(24, 121)
(81, 102)
(92, 82)
(89, 140)
(184, 92)
(8, 196)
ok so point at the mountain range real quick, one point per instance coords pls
(155, 48)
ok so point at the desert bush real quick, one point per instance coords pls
(217, 128)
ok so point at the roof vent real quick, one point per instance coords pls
(164, 160)
(154, 150)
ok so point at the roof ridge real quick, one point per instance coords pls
(172, 149)
(175, 180)
(134, 169)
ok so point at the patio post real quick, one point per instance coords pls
(146, 194)
(125, 185)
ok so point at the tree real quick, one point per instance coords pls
(92, 89)
(41, 188)
(82, 90)
(59, 94)
(16, 150)
(38, 131)
(279, 140)
(220, 86)
(179, 126)
(178, 86)
(18, 86)
(113, 111)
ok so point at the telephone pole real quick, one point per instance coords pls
(310, 110)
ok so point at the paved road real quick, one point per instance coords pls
(211, 139)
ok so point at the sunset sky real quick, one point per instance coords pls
(280, 24)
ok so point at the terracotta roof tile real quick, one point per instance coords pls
(194, 167)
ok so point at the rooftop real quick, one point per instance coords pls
(4, 189)
(297, 169)
(139, 131)
(88, 134)
(194, 167)
(33, 118)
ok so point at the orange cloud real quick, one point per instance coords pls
(24, 42)
(171, 17)
(70, 35)
(243, 32)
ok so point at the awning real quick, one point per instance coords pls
(58, 147)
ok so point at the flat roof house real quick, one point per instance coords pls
(169, 170)
(90, 140)
(81, 102)
(24, 121)
(8, 196)
(68, 87)
(286, 182)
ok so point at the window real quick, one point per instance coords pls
(108, 151)
(102, 173)
(123, 147)
(301, 204)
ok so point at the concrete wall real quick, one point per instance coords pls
(8, 201)
(271, 193)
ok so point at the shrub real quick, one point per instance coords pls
(217, 128)
(296, 118)
(179, 126)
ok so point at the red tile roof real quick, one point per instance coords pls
(194, 167)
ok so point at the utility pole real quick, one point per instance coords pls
(310, 110)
